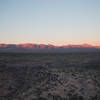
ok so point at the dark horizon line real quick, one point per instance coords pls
(47, 44)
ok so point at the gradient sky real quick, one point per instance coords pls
(56, 22)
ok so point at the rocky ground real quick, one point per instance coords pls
(68, 76)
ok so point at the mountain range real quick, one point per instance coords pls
(29, 47)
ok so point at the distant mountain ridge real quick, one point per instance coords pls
(29, 47)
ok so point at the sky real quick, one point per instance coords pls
(57, 22)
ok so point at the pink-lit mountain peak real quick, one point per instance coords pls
(30, 45)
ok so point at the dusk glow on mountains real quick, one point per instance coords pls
(44, 47)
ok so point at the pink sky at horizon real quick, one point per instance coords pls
(57, 22)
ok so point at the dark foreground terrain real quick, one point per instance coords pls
(50, 76)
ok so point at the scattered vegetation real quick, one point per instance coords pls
(65, 76)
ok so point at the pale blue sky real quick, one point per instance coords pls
(50, 21)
